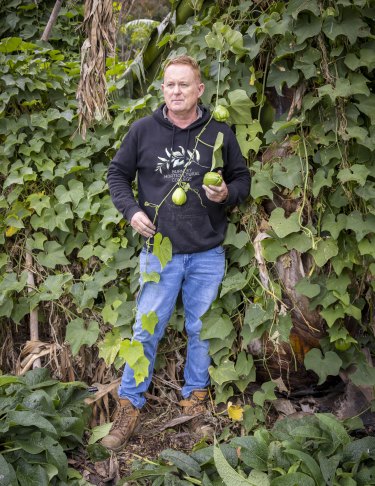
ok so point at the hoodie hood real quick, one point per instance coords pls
(159, 116)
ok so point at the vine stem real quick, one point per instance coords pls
(218, 78)
(306, 230)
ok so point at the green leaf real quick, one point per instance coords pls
(330, 424)
(288, 172)
(309, 462)
(11, 283)
(322, 178)
(184, 462)
(333, 225)
(293, 479)
(357, 450)
(295, 7)
(329, 364)
(342, 89)
(357, 173)
(247, 137)
(6, 380)
(326, 249)
(284, 226)
(253, 451)
(261, 182)
(305, 62)
(53, 255)
(215, 324)
(367, 246)
(55, 455)
(300, 242)
(34, 474)
(350, 25)
(224, 373)
(255, 316)
(280, 75)
(52, 288)
(366, 58)
(217, 154)
(239, 240)
(150, 277)
(307, 26)
(31, 419)
(110, 346)
(98, 432)
(132, 352)
(267, 392)
(229, 475)
(245, 365)
(72, 195)
(110, 314)
(12, 44)
(162, 471)
(361, 226)
(364, 375)
(38, 202)
(366, 105)
(272, 249)
(240, 107)
(306, 288)
(162, 249)
(149, 321)
(78, 334)
(232, 283)
(8, 475)
(284, 327)
(97, 452)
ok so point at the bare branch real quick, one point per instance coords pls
(52, 20)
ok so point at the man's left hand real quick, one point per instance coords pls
(216, 193)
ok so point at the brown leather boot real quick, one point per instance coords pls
(125, 424)
(195, 405)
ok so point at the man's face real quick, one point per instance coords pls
(181, 89)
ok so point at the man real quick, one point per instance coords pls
(175, 146)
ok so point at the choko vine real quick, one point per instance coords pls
(297, 80)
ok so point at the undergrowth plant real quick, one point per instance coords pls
(316, 450)
(41, 420)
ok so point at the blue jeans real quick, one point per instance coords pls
(198, 275)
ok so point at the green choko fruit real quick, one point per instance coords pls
(212, 179)
(179, 196)
(342, 344)
(220, 113)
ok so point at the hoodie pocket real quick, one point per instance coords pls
(189, 229)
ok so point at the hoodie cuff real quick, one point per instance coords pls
(131, 212)
(231, 200)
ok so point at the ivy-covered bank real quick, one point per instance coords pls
(298, 296)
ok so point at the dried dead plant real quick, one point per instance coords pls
(99, 26)
(34, 350)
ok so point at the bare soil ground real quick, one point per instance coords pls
(162, 427)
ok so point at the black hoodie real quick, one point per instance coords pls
(159, 151)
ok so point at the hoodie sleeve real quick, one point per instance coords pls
(121, 173)
(235, 172)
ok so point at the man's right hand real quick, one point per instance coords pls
(142, 224)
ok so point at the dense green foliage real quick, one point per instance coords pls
(313, 193)
(41, 419)
(310, 451)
